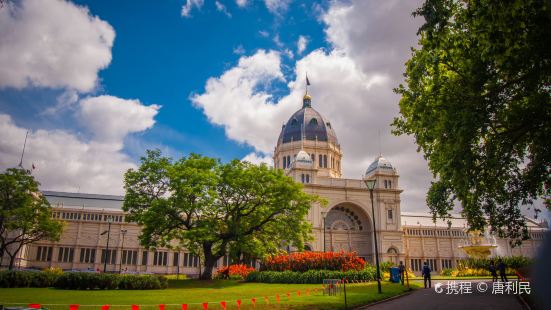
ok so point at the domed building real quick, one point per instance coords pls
(308, 151)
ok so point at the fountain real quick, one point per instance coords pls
(479, 244)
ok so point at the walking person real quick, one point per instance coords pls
(402, 270)
(426, 274)
(501, 267)
(493, 271)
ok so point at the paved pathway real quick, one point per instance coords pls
(425, 299)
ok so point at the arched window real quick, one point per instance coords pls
(313, 122)
(313, 158)
(302, 177)
(307, 178)
(389, 184)
(386, 184)
(321, 161)
(294, 122)
(324, 161)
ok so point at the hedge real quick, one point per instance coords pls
(310, 276)
(14, 278)
(81, 280)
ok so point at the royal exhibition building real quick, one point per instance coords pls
(309, 152)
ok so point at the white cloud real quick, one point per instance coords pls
(239, 50)
(37, 48)
(110, 118)
(222, 8)
(301, 44)
(241, 3)
(65, 161)
(277, 6)
(232, 100)
(258, 159)
(190, 4)
(65, 101)
(351, 86)
(263, 33)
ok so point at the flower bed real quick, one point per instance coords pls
(234, 272)
(304, 261)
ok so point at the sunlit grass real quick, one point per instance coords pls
(194, 293)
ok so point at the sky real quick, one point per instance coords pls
(96, 83)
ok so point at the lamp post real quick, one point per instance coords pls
(324, 215)
(108, 232)
(371, 185)
(123, 232)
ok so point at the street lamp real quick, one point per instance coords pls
(371, 185)
(323, 215)
(108, 232)
(123, 232)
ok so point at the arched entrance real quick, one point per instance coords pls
(348, 228)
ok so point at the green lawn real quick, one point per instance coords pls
(195, 292)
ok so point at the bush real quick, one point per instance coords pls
(514, 262)
(84, 281)
(17, 278)
(310, 276)
(304, 261)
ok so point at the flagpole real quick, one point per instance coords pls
(23, 152)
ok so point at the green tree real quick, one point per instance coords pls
(25, 215)
(211, 208)
(477, 101)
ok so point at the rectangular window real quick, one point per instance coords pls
(416, 264)
(129, 257)
(65, 255)
(160, 258)
(44, 254)
(191, 260)
(87, 255)
(144, 258)
(389, 214)
(111, 256)
(176, 259)
(446, 263)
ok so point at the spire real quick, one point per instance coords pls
(307, 100)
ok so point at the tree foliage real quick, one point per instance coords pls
(25, 215)
(213, 209)
(477, 100)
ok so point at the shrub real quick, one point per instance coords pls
(13, 278)
(234, 272)
(84, 281)
(304, 261)
(310, 276)
(18, 278)
(142, 282)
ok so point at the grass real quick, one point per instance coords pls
(194, 292)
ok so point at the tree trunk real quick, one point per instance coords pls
(12, 261)
(210, 261)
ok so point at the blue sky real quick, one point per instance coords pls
(97, 83)
(161, 57)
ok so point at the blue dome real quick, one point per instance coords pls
(380, 163)
(314, 125)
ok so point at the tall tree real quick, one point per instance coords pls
(210, 208)
(25, 215)
(477, 100)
